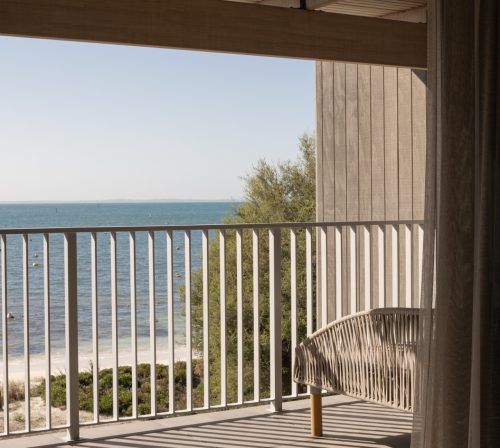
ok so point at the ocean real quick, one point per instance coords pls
(102, 214)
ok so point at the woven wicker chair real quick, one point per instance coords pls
(368, 355)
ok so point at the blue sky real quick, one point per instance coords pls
(84, 121)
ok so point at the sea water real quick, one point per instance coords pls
(102, 214)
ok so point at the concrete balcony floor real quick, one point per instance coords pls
(347, 423)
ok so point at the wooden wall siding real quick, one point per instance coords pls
(377, 136)
(371, 167)
(365, 143)
(319, 141)
(418, 104)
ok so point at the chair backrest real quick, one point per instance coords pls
(368, 355)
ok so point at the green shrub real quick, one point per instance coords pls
(58, 388)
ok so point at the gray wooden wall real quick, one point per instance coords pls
(370, 142)
(370, 167)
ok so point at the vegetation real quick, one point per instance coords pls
(58, 389)
(282, 192)
(16, 392)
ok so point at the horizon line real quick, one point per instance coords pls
(118, 201)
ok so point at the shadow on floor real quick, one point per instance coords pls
(348, 425)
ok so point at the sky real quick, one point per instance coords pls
(81, 121)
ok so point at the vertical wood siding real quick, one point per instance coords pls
(371, 167)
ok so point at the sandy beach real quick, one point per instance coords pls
(38, 363)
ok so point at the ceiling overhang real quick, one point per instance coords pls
(222, 26)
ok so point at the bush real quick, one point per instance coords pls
(16, 392)
(58, 389)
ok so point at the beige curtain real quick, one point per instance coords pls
(459, 349)
(485, 388)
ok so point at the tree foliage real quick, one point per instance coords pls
(274, 193)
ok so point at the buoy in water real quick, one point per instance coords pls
(35, 255)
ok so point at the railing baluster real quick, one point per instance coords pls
(46, 298)
(223, 337)
(407, 252)
(114, 323)
(5, 339)
(293, 300)
(309, 287)
(206, 335)
(394, 265)
(420, 254)
(171, 317)
(256, 316)
(309, 282)
(71, 323)
(380, 262)
(275, 318)
(352, 263)
(95, 325)
(338, 272)
(367, 271)
(26, 330)
(133, 318)
(324, 274)
(239, 311)
(152, 319)
(189, 352)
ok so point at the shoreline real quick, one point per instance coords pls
(38, 363)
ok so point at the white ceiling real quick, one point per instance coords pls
(369, 8)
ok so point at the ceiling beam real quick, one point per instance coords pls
(217, 25)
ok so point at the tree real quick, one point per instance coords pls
(274, 193)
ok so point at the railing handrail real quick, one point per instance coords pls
(177, 227)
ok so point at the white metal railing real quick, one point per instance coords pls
(348, 266)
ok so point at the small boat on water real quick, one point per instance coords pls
(34, 264)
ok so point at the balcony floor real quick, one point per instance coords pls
(347, 423)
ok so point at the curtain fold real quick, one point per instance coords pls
(485, 385)
(458, 373)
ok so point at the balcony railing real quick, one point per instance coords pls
(151, 293)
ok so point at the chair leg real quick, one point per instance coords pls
(316, 415)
